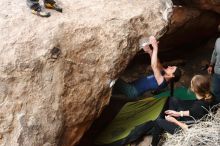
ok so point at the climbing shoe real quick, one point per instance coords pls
(53, 6)
(41, 13)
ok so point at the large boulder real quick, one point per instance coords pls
(55, 72)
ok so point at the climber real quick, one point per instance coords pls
(37, 10)
(215, 64)
(159, 80)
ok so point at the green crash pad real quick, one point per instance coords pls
(136, 113)
(180, 93)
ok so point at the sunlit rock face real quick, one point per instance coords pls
(55, 72)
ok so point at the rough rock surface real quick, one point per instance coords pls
(188, 26)
(208, 4)
(50, 96)
(213, 5)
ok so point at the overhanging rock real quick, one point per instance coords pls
(55, 72)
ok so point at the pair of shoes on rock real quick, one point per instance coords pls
(42, 13)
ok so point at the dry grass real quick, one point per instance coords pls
(205, 132)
